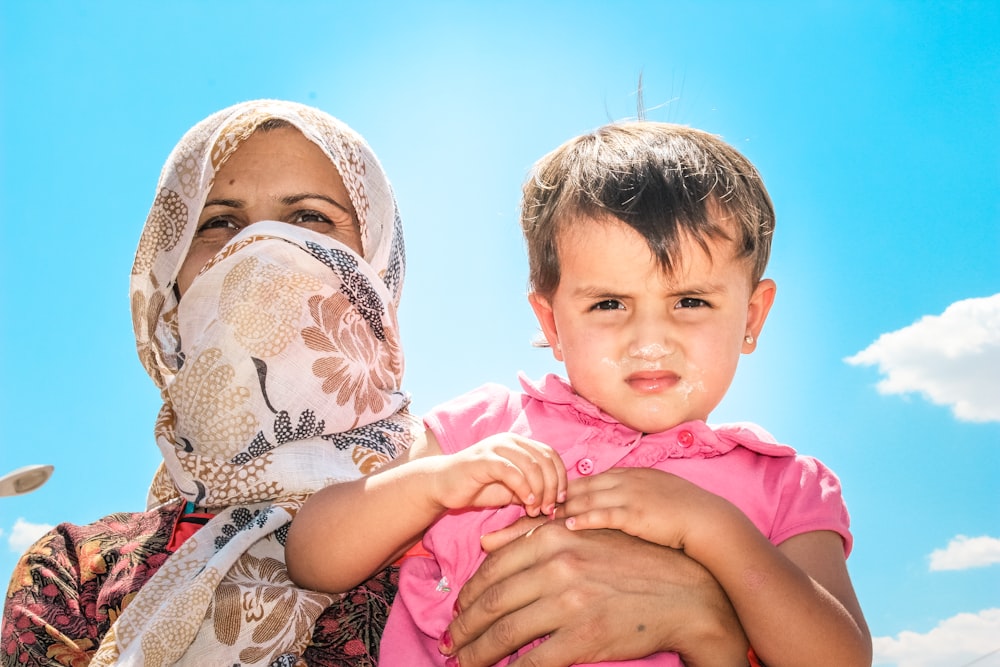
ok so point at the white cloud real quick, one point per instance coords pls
(24, 534)
(965, 639)
(963, 553)
(951, 359)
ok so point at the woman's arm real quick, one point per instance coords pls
(599, 595)
(795, 602)
(349, 530)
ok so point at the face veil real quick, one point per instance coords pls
(280, 371)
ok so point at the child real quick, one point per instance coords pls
(647, 244)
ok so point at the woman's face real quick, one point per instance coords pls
(274, 175)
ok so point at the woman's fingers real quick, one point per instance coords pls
(598, 595)
(499, 538)
(513, 599)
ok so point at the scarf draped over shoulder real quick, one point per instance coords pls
(280, 372)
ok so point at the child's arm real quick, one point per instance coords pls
(795, 601)
(347, 531)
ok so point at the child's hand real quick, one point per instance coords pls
(654, 505)
(500, 470)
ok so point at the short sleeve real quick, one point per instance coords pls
(465, 420)
(810, 499)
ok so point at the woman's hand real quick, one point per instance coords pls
(599, 595)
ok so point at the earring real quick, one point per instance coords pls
(748, 339)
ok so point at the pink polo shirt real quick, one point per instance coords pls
(784, 494)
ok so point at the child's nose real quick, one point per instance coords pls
(651, 340)
(649, 351)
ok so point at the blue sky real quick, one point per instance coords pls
(876, 126)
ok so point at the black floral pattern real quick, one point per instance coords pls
(374, 437)
(354, 285)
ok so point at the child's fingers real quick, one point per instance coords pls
(558, 484)
(531, 467)
(602, 517)
(545, 473)
(595, 502)
(529, 471)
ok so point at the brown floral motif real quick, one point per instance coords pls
(164, 227)
(145, 315)
(258, 591)
(91, 559)
(228, 483)
(344, 145)
(356, 175)
(189, 172)
(71, 655)
(211, 413)
(172, 627)
(291, 502)
(42, 550)
(229, 250)
(162, 488)
(368, 460)
(357, 369)
(232, 135)
(262, 302)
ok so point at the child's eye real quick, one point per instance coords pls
(608, 304)
(691, 302)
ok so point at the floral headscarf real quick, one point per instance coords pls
(280, 372)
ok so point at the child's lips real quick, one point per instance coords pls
(651, 382)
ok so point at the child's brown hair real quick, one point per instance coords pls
(663, 180)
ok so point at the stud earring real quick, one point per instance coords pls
(748, 339)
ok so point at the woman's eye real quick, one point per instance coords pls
(691, 302)
(218, 222)
(309, 218)
(608, 304)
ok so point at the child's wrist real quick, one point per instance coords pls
(715, 522)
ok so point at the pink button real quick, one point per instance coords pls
(685, 438)
(585, 466)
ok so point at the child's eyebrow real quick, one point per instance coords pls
(597, 292)
(697, 289)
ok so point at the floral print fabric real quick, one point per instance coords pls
(280, 372)
(73, 584)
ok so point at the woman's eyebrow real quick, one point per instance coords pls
(231, 203)
(295, 199)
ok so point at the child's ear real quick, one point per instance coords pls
(547, 321)
(760, 305)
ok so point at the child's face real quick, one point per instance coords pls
(651, 350)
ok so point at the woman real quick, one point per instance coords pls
(275, 347)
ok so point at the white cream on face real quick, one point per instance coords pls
(685, 388)
(651, 351)
(647, 353)
(612, 363)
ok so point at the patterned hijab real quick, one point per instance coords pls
(280, 372)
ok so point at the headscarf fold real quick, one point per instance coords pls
(280, 372)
